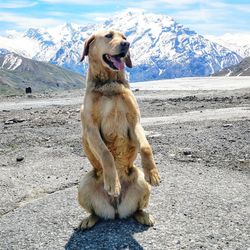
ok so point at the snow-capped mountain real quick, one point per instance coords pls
(160, 47)
(239, 42)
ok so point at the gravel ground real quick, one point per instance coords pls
(201, 142)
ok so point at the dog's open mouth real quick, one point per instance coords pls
(114, 61)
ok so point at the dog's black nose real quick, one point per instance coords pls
(125, 45)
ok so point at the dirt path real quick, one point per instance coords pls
(201, 145)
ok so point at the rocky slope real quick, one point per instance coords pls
(241, 69)
(18, 72)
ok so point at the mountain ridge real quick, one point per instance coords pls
(160, 47)
(238, 42)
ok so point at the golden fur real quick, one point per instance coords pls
(112, 138)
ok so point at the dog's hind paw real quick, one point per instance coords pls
(152, 176)
(144, 218)
(88, 222)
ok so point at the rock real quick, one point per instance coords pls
(8, 122)
(14, 120)
(20, 158)
(187, 152)
(227, 125)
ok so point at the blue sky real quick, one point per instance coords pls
(204, 16)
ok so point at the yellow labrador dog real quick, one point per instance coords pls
(113, 136)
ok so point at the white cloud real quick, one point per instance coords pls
(229, 6)
(97, 17)
(58, 13)
(181, 2)
(212, 17)
(194, 15)
(80, 2)
(27, 22)
(242, 7)
(146, 4)
(17, 4)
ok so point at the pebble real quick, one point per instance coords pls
(20, 158)
(244, 161)
(226, 125)
(187, 152)
(8, 122)
(14, 120)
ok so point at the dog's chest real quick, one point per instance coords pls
(114, 118)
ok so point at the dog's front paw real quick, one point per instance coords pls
(152, 176)
(112, 185)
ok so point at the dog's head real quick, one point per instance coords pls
(108, 48)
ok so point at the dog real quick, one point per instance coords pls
(112, 136)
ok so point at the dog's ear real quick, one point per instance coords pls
(86, 47)
(128, 61)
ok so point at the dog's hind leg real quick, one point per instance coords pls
(144, 218)
(136, 198)
(94, 199)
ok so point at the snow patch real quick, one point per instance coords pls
(237, 113)
(11, 62)
(195, 83)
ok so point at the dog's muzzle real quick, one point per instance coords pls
(115, 61)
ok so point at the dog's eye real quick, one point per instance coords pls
(110, 36)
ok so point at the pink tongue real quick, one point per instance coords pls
(118, 63)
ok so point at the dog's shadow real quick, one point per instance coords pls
(106, 235)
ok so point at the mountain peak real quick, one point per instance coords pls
(68, 26)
